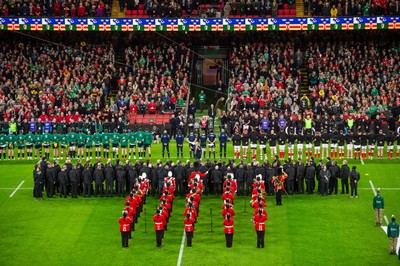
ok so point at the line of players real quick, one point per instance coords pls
(76, 145)
(319, 144)
(133, 207)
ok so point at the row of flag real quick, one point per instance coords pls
(253, 24)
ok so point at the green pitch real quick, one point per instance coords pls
(306, 230)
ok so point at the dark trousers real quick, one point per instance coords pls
(63, 190)
(120, 187)
(310, 185)
(333, 185)
(37, 190)
(222, 148)
(189, 237)
(290, 186)
(165, 148)
(99, 189)
(240, 188)
(87, 188)
(345, 185)
(324, 188)
(229, 240)
(354, 189)
(172, 133)
(249, 188)
(50, 188)
(279, 197)
(179, 187)
(270, 188)
(260, 239)
(300, 185)
(109, 188)
(125, 236)
(217, 188)
(159, 236)
(74, 190)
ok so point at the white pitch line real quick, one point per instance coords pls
(8, 188)
(15, 190)
(362, 161)
(372, 186)
(386, 219)
(181, 250)
(382, 188)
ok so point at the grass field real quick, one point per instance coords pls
(306, 230)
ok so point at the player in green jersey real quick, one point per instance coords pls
(64, 145)
(89, 146)
(97, 144)
(3, 145)
(46, 139)
(29, 140)
(140, 142)
(106, 144)
(21, 146)
(115, 143)
(11, 140)
(123, 140)
(81, 140)
(148, 139)
(132, 145)
(38, 145)
(55, 140)
(73, 139)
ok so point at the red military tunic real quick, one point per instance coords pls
(189, 224)
(259, 222)
(159, 221)
(228, 226)
(124, 224)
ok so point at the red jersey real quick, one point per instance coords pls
(124, 224)
(259, 222)
(228, 226)
(159, 221)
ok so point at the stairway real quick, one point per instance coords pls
(115, 10)
(299, 8)
(305, 88)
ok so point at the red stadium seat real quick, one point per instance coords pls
(183, 12)
(134, 13)
(285, 6)
(141, 7)
(286, 12)
(140, 13)
(280, 12)
(128, 12)
(292, 12)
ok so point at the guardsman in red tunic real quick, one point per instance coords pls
(228, 210)
(131, 214)
(159, 221)
(189, 229)
(125, 228)
(259, 225)
(279, 182)
(228, 195)
(228, 230)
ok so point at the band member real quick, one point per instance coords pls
(272, 138)
(236, 140)
(159, 222)
(279, 182)
(317, 144)
(211, 138)
(259, 225)
(125, 228)
(228, 230)
(254, 137)
(189, 228)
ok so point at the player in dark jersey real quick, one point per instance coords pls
(203, 143)
(349, 144)
(282, 138)
(300, 145)
(334, 144)
(317, 144)
(309, 143)
(371, 145)
(191, 137)
(390, 139)
(357, 144)
(211, 138)
(325, 143)
(380, 143)
(236, 139)
(263, 138)
(253, 135)
(364, 145)
(245, 143)
(398, 143)
(341, 139)
(291, 138)
(272, 138)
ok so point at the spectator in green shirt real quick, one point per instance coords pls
(202, 100)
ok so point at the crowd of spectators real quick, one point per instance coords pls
(346, 78)
(341, 8)
(46, 8)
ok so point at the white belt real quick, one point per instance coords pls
(261, 223)
(188, 224)
(158, 223)
(228, 226)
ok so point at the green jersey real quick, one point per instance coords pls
(29, 138)
(148, 138)
(97, 138)
(81, 139)
(38, 139)
(132, 138)
(393, 230)
(21, 140)
(64, 140)
(124, 140)
(72, 137)
(89, 141)
(139, 137)
(202, 98)
(3, 141)
(115, 138)
(11, 139)
(55, 138)
(105, 138)
(46, 138)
